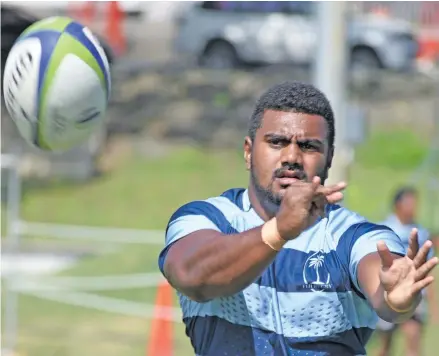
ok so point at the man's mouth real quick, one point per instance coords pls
(286, 178)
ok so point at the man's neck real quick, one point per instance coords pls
(265, 211)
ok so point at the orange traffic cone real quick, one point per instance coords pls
(114, 28)
(428, 52)
(160, 339)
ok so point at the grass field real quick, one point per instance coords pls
(143, 194)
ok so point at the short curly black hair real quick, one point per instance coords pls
(293, 97)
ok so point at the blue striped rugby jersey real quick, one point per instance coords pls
(307, 302)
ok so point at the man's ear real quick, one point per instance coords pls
(248, 144)
(330, 157)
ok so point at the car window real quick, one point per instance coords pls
(289, 7)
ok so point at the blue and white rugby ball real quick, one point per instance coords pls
(56, 84)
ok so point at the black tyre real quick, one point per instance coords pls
(219, 55)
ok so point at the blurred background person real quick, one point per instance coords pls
(402, 221)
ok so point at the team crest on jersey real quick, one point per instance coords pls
(315, 273)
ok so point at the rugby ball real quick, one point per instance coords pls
(56, 84)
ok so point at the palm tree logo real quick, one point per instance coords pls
(317, 262)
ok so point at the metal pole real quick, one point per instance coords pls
(433, 181)
(12, 243)
(330, 76)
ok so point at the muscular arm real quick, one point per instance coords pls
(207, 264)
(207, 258)
(368, 278)
(366, 263)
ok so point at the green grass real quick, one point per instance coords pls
(400, 150)
(140, 194)
(143, 194)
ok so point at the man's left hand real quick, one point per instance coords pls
(404, 278)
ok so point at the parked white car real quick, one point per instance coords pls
(222, 34)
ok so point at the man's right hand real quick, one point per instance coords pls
(303, 203)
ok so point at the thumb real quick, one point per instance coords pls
(385, 255)
(316, 183)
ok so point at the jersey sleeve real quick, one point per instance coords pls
(361, 239)
(194, 216)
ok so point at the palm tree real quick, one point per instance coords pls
(317, 262)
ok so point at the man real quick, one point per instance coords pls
(402, 221)
(278, 268)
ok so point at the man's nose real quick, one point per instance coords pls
(291, 154)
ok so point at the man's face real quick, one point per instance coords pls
(288, 147)
(407, 207)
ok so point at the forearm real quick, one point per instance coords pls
(207, 264)
(369, 280)
(384, 311)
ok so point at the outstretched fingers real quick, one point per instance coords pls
(385, 255)
(413, 244)
(333, 193)
(423, 283)
(328, 190)
(423, 271)
(422, 254)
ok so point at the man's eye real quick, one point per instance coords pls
(277, 142)
(309, 147)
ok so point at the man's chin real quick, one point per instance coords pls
(278, 196)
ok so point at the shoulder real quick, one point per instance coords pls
(219, 210)
(354, 234)
(355, 237)
(347, 225)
